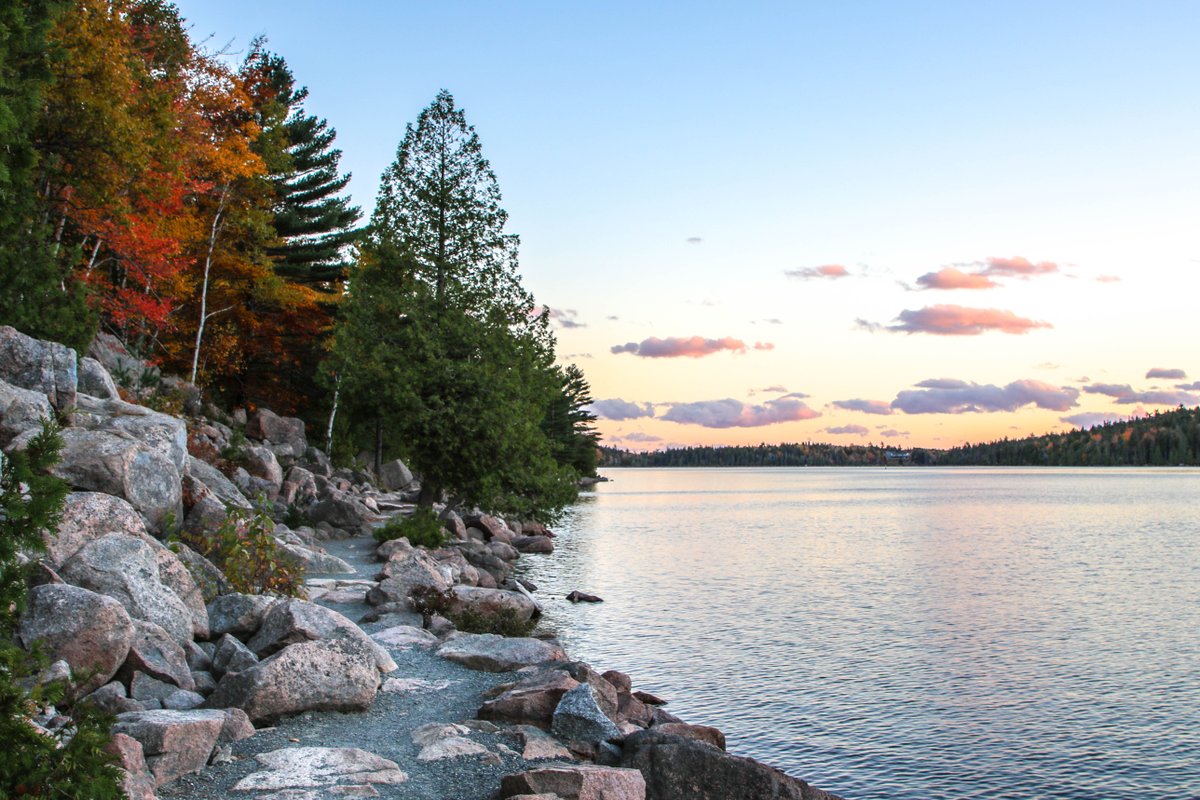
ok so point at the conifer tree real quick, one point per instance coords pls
(440, 345)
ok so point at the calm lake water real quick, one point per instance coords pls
(906, 632)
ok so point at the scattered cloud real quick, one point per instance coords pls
(826, 271)
(1166, 374)
(947, 396)
(865, 406)
(693, 240)
(797, 395)
(1189, 387)
(857, 430)
(679, 347)
(618, 409)
(1016, 267)
(612, 318)
(1107, 279)
(892, 433)
(566, 318)
(730, 413)
(638, 436)
(1124, 394)
(953, 278)
(773, 321)
(569, 356)
(1047, 365)
(777, 389)
(951, 320)
(1087, 419)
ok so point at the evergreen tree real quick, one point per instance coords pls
(40, 296)
(569, 425)
(439, 344)
(315, 223)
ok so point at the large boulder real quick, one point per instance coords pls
(174, 742)
(223, 488)
(491, 602)
(115, 462)
(292, 621)
(87, 516)
(681, 768)
(21, 410)
(577, 782)
(162, 433)
(177, 577)
(95, 380)
(530, 701)
(488, 652)
(534, 544)
(126, 569)
(579, 718)
(302, 772)
(328, 675)
(136, 780)
(239, 614)
(90, 631)
(154, 653)
(284, 434)
(341, 510)
(404, 571)
(394, 476)
(261, 463)
(48, 368)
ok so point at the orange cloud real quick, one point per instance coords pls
(951, 320)
(826, 271)
(679, 347)
(1017, 267)
(951, 278)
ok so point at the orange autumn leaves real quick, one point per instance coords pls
(150, 170)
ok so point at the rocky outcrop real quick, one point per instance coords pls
(47, 368)
(126, 569)
(292, 621)
(90, 631)
(21, 410)
(87, 516)
(333, 771)
(175, 743)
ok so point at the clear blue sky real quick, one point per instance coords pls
(892, 139)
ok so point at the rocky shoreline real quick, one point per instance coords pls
(359, 690)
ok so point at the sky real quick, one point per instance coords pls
(919, 223)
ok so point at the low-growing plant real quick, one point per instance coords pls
(234, 453)
(243, 548)
(422, 529)
(428, 601)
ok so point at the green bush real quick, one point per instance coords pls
(422, 529)
(243, 548)
(71, 763)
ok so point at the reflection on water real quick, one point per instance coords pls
(905, 633)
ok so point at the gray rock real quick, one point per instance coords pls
(136, 781)
(87, 516)
(679, 768)
(114, 462)
(217, 483)
(162, 433)
(394, 476)
(94, 379)
(208, 579)
(21, 410)
(205, 682)
(48, 368)
(330, 675)
(534, 544)
(265, 425)
(530, 701)
(90, 631)
(404, 571)
(232, 656)
(292, 621)
(579, 718)
(126, 569)
(155, 653)
(174, 742)
(182, 700)
(111, 698)
(488, 652)
(490, 602)
(322, 768)
(316, 561)
(142, 687)
(261, 463)
(701, 733)
(176, 576)
(341, 511)
(239, 614)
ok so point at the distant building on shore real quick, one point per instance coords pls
(897, 457)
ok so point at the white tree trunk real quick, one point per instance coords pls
(212, 244)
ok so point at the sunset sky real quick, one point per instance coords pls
(920, 223)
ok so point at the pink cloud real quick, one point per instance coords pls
(1166, 374)
(1108, 279)
(945, 396)
(1125, 395)
(865, 406)
(1017, 267)
(730, 413)
(951, 320)
(1089, 419)
(857, 430)
(678, 347)
(952, 278)
(618, 409)
(826, 271)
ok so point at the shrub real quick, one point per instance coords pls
(428, 601)
(243, 548)
(422, 529)
(72, 762)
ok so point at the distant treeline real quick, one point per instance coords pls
(1159, 439)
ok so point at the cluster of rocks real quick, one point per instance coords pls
(153, 633)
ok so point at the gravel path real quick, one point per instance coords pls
(385, 729)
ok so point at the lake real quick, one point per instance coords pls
(907, 632)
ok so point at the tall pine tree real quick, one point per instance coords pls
(440, 345)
